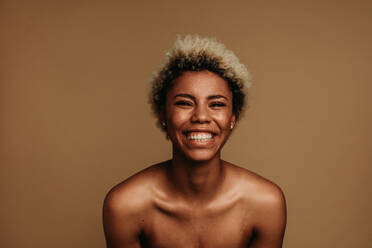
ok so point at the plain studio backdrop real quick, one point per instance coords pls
(75, 119)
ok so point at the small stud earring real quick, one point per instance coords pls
(163, 124)
(231, 126)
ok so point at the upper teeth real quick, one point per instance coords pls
(200, 137)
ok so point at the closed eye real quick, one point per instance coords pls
(183, 103)
(217, 104)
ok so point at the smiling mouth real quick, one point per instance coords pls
(199, 136)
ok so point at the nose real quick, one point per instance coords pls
(200, 115)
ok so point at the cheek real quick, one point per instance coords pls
(224, 120)
(176, 118)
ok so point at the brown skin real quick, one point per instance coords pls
(196, 199)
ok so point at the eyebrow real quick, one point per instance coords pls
(193, 98)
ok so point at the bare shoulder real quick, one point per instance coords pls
(258, 191)
(134, 193)
(126, 206)
(265, 206)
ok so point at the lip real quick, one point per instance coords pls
(196, 143)
(199, 130)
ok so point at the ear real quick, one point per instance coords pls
(233, 121)
(162, 120)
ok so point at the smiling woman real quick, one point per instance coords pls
(196, 199)
(198, 115)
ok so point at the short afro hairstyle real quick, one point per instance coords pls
(194, 53)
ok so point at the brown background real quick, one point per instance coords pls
(75, 119)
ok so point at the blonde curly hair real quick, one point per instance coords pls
(194, 53)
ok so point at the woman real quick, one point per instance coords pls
(196, 199)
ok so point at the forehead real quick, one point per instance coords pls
(200, 84)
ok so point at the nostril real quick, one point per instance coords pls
(200, 119)
(200, 115)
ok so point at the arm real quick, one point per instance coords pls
(270, 220)
(121, 221)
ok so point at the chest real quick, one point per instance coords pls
(195, 229)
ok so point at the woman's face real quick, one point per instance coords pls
(199, 115)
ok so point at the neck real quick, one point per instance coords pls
(197, 180)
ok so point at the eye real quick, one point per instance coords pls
(217, 104)
(183, 103)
